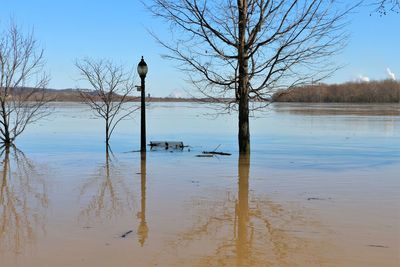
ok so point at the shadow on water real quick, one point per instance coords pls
(242, 229)
(105, 195)
(23, 200)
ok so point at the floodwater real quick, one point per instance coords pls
(321, 188)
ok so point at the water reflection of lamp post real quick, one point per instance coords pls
(143, 229)
(142, 71)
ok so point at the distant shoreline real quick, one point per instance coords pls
(387, 91)
(73, 95)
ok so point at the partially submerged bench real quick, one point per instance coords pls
(166, 144)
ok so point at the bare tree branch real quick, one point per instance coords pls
(385, 6)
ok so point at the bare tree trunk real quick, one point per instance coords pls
(107, 133)
(6, 135)
(244, 131)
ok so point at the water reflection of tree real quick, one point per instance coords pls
(23, 200)
(110, 197)
(244, 230)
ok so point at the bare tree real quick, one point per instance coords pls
(112, 86)
(22, 83)
(245, 50)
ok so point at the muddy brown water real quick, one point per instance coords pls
(320, 188)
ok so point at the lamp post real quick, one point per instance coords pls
(142, 71)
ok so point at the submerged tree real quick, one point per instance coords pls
(22, 83)
(246, 50)
(109, 98)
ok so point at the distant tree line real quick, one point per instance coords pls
(386, 91)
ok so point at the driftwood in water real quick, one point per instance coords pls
(204, 156)
(216, 153)
(126, 234)
(378, 246)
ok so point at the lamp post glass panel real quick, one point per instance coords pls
(142, 71)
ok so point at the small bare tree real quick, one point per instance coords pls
(22, 83)
(110, 94)
(246, 50)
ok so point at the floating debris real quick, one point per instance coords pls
(204, 156)
(126, 234)
(216, 153)
(378, 246)
(317, 198)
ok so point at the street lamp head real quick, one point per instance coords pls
(142, 68)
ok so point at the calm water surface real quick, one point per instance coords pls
(321, 188)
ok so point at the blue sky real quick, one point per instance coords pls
(69, 30)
